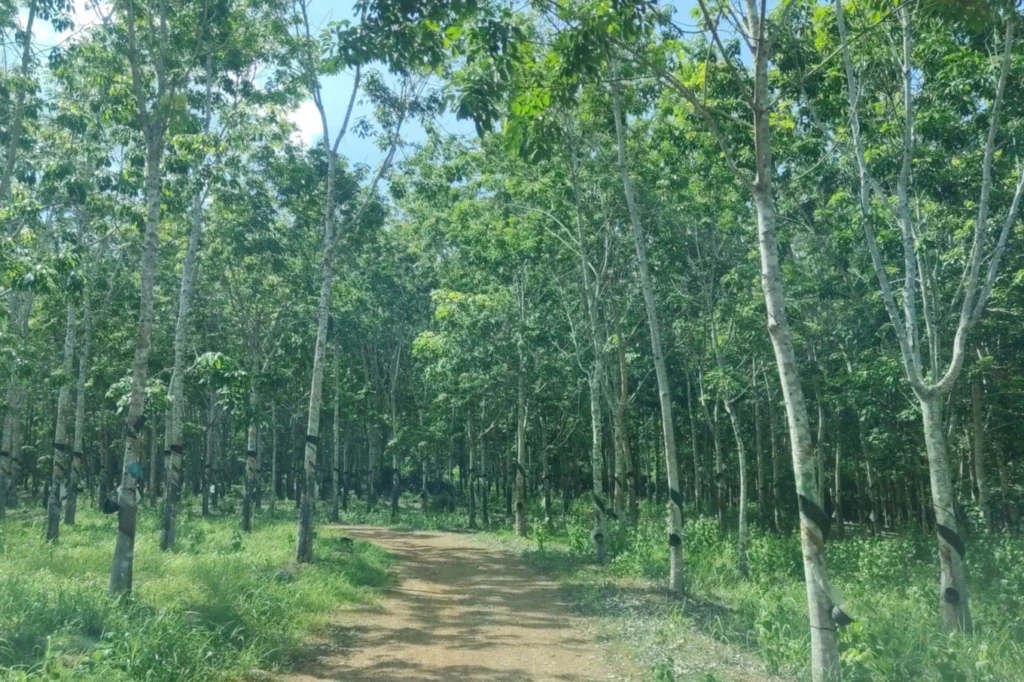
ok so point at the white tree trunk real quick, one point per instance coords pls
(249, 482)
(741, 454)
(59, 465)
(124, 547)
(17, 116)
(77, 454)
(675, 505)
(336, 434)
(19, 310)
(956, 613)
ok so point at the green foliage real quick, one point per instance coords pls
(887, 582)
(215, 609)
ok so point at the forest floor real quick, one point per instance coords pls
(470, 609)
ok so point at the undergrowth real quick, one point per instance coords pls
(889, 583)
(219, 607)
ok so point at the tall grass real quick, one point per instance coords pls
(890, 585)
(220, 606)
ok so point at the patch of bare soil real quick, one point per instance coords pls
(462, 611)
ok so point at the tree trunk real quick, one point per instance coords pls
(764, 501)
(77, 454)
(824, 647)
(675, 511)
(979, 454)
(124, 548)
(251, 462)
(18, 113)
(698, 481)
(19, 310)
(304, 540)
(336, 434)
(485, 515)
(471, 445)
(741, 543)
(598, 534)
(208, 478)
(520, 462)
(837, 500)
(60, 436)
(956, 613)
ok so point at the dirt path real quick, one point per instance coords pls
(461, 611)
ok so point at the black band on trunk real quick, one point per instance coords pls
(177, 449)
(312, 439)
(677, 497)
(815, 514)
(674, 540)
(950, 536)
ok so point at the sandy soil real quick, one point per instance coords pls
(461, 611)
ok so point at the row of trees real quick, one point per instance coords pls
(569, 304)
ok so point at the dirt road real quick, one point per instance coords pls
(461, 611)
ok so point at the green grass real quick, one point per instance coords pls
(220, 606)
(890, 585)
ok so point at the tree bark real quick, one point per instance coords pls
(17, 115)
(336, 434)
(77, 454)
(956, 614)
(60, 462)
(124, 547)
(979, 453)
(251, 461)
(208, 478)
(675, 510)
(741, 542)
(837, 499)
(471, 445)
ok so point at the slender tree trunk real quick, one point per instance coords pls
(485, 515)
(336, 434)
(251, 462)
(19, 309)
(211, 436)
(598, 534)
(697, 477)
(837, 500)
(741, 543)
(77, 454)
(471, 445)
(18, 113)
(764, 501)
(124, 548)
(979, 454)
(956, 614)
(106, 466)
(820, 448)
(1006, 490)
(675, 511)
(824, 647)
(520, 461)
(304, 542)
(625, 488)
(60, 436)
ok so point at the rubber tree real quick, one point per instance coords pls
(77, 447)
(155, 102)
(675, 504)
(59, 462)
(932, 382)
(189, 266)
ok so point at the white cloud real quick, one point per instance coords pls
(307, 119)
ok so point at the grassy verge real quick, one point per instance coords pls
(756, 629)
(220, 606)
